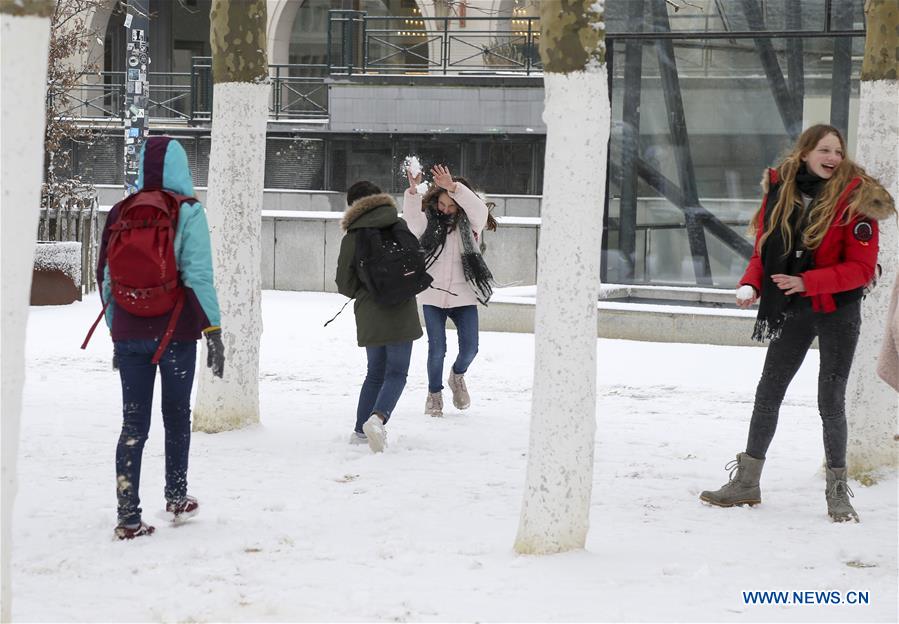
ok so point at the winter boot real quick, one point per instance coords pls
(358, 438)
(130, 531)
(186, 508)
(460, 393)
(434, 404)
(838, 492)
(376, 433)
(742, 489)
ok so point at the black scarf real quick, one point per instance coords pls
(775, 307)
(809, 184)
(433, 241)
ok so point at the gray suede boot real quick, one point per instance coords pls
(837, 492)
(461, 398)
(743, 487)
(434, 404)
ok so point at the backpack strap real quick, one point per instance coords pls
(366, 240)
(449, 292)
(338, 312)
(368, 234)
(145, 293)
(90, 333)
(190, 199)
(360, 243)
(166, 337)
(169, 330)
(127, 224)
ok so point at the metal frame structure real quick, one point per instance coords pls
(683, 194)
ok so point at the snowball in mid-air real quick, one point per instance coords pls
(412, 165)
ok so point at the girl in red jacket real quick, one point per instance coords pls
(815, 250)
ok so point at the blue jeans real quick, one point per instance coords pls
(384, 380)
(465, 318)
(138, 374)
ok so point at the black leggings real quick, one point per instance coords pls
(837, 338)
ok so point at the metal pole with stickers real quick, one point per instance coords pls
(137, 96)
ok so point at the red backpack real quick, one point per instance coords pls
(143, 275)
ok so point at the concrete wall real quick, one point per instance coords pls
(299, 252)
(621, 321)
(649, 209)
(330, 201)
(442, 108)
(664, 254)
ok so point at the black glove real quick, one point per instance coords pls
(215, 352)
(115, 361)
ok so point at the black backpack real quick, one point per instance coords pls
(391, 263)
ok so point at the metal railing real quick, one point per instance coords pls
(201, 88)
(298, 91)
(357, 43)
(102, 94)
(187, 96)
(361, 43)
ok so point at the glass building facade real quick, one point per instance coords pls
(702, 101)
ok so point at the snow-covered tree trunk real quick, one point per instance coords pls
(25, 37)
(871, 405)
(555, 512)
(234, 203)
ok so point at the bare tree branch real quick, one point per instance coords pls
(70, 61)
(681, 4)
(187, 8)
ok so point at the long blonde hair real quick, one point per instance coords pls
(825, 207)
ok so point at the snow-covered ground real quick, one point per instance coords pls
(298, 525)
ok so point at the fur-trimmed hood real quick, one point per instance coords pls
(766, 179)
(874, 201)
(365, 205)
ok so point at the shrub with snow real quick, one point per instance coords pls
(59, 256)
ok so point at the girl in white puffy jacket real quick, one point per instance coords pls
(449, 220)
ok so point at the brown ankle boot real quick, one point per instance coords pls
(743, 487)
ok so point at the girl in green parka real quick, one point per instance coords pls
(385, 331)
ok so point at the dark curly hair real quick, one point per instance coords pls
(361, 189)
(429, 202)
